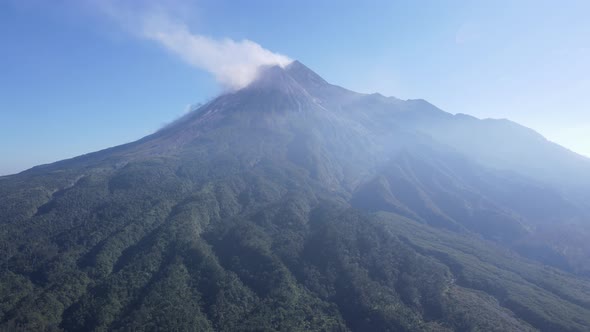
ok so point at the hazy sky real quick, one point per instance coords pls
(78, 76)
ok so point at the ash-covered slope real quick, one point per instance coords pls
(294, 204)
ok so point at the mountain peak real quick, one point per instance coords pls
(272, 78)
(298, 79)
(305, 76)
(278, 81)
(284, 78)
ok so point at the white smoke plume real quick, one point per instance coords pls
(234, 64)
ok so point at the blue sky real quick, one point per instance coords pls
(79, 76)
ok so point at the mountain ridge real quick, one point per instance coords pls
(301, 70)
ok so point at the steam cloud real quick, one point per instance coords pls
(234, 64)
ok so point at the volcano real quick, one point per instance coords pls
(297, 205)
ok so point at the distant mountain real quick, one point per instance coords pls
(297, 205)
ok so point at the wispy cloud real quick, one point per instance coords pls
(234, 64)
